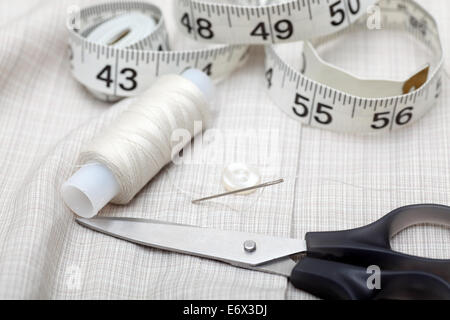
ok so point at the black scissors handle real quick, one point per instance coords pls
(344, 256)
(334, 280)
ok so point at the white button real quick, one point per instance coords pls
(239, 176)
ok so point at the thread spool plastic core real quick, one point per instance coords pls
(90, 189)
(77, 201)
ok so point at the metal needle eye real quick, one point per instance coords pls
(263, 185)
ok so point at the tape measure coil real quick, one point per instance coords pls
(123, 72)
(349, 104)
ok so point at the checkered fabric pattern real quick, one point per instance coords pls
(333, 181)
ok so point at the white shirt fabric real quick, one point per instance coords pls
(333, 181)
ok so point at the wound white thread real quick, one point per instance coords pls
(137, 145)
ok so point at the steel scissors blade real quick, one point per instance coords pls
(221, 245)
(333, 265)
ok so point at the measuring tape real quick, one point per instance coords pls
(112, 71)
(275, 22)
(322, 95)
(311, 90)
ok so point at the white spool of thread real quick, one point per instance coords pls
(129, 153)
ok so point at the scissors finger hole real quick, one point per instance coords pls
(423, 240)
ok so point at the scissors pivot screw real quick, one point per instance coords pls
(249, 245)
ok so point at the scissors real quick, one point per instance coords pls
(330, 265)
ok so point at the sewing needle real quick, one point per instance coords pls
(263, 185)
